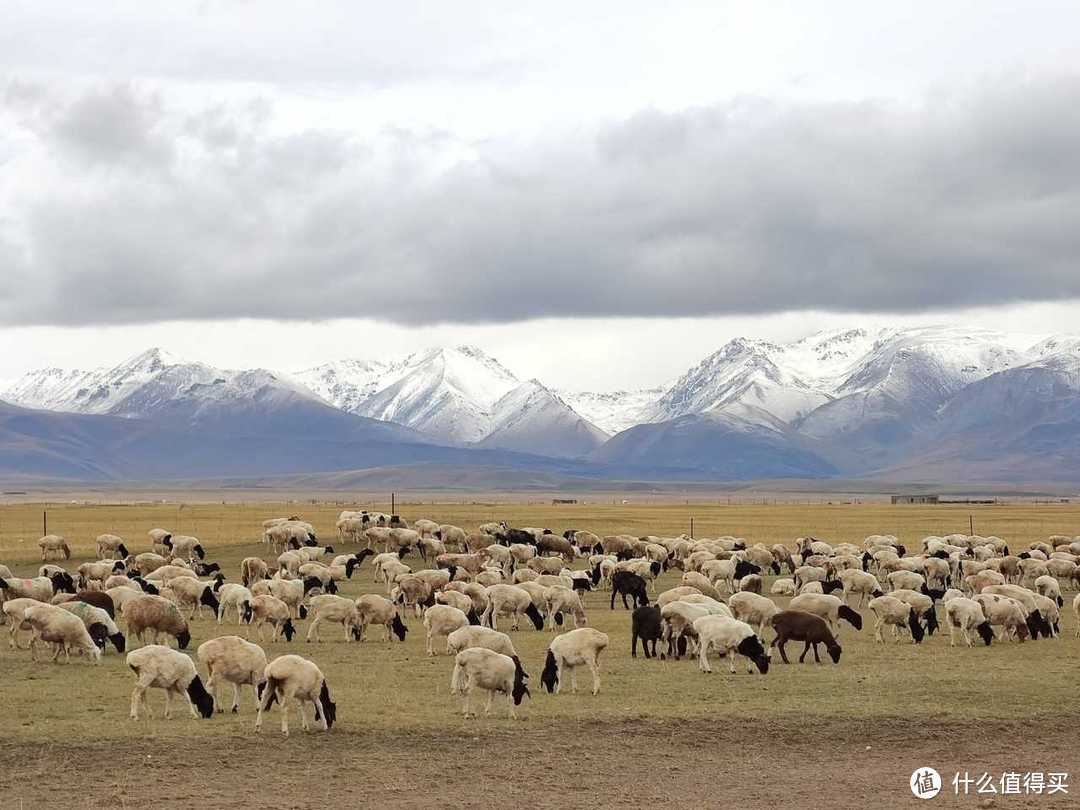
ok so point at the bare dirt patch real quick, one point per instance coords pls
(730, 761)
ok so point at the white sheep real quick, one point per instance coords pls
(232, 595)
(898, 614)
(480, 668)
(510, 600)
(160, 667)
(267, 610)
(290, 677)
(13, 611)
(52, 545)
(783, 587)
(479, 636)
(233, 660)
(335, 609)
(66, 632)
(560, 599)
(729, 636)
(442, 620)
(753, 609)
(375, 609)
(580, 647)
(98, 623)
(965, 614)
(110, 545)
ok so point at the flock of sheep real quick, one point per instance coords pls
(461, 584)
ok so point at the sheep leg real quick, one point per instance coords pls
(491, 697)
(191, 706)
(806, 649)
(573, 679)
(703, 658)
(877, 632)
(952, 635)
(138, 695)
(313, 631)
(235, 699)
(168, 704)
(730, 653)
(304, 724)
(510, 706)
(430, 649)
(594, 667)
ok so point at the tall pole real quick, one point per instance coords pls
(393, 511)
(971, 524)
(691, 528)
(44, 522)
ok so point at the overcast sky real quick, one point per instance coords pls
(598, 193)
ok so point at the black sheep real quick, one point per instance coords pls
(645, 624)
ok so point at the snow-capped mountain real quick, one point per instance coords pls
(613, 411)
(532, 419)
(849, 402)
(447, 393)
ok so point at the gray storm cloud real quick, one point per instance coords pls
(117, 206)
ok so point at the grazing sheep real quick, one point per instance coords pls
(98, 623)
(147, 563)
(831, 608)
(269, 610)
(166, 573)
(317, 575)
(923, 606)
(160, 540)
(98, 572)
(52, 545)
(798, 625)
(253, 569)
(13, 611)
(898, 614)
(109, 545)
(289, 591)
(66, 632)
(290, 677)
(676, 594)
(511, 600)
(480, 668)
(581, 647)
(231, 595)
(375, 609)
(751, 583)
(905, 580)
(458, 600)
(479, 636)
(335, 609)
(701, 582)
(729, 636)
(809, 573)
(559, 599)
(233, 660)
(645, 623)
(164, 668)
(187, 548)
(442, 620)
(783, 587)
(193, 594)
(627, 583)
(857, 581)
(157, 615)
(965, 614)
(1049, 587)
(39, 588)
(753, 609)
(1007, 613)
(1036, 622)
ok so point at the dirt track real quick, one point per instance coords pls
(494, 763)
